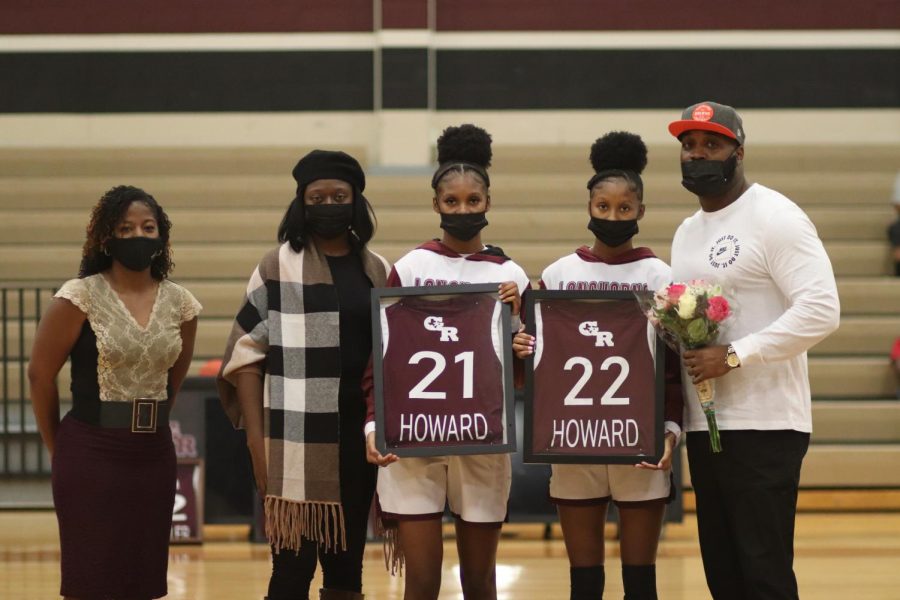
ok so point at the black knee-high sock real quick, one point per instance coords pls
(587, 583)
(639, 582)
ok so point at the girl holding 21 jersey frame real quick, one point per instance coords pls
(413, 491)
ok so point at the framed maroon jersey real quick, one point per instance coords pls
(443, 377)
(594, 387)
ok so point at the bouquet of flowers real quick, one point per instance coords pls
(687, 316)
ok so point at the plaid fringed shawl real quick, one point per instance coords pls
(289, 323)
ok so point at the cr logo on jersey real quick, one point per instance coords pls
(448, 334)
(590, 328)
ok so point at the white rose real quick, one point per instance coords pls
(660, 301)
(687, 304)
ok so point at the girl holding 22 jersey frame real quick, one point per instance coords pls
(582, 492)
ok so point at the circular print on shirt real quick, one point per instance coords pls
(724, 252)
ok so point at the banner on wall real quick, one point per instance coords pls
(187, 512)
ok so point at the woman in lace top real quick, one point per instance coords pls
(129, 333)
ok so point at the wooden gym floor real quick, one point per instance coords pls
(838, 556)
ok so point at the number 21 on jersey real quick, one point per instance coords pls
(420, 390)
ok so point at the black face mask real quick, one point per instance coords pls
(613, 233)
(463, 226)
(134, 253)
(707, 178)
(328, 220)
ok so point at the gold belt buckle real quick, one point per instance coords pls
(143, 415)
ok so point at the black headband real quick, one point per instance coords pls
(601, 175)
(447, 167)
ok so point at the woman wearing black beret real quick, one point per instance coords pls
(291, 377)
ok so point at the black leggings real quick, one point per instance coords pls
(292, 572)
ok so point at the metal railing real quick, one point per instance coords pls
(22, 454)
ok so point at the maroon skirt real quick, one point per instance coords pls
(114, 491)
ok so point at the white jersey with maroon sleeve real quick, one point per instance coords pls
(433, 263)
(636, 270)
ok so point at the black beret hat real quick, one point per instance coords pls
(328, 164)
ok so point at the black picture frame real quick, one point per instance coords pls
(532, 456)
(379, 296)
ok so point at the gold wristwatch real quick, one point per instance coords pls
(731, 358)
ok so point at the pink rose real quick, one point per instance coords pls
(675, 291)
(717, 309)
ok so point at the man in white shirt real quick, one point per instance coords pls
(766, 254)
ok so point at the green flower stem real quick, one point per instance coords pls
(705, 392)
(715, 442)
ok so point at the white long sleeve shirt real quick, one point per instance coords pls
(767, 255)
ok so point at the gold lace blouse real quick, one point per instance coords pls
(133, 361)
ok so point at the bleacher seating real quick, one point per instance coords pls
(226, 205)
